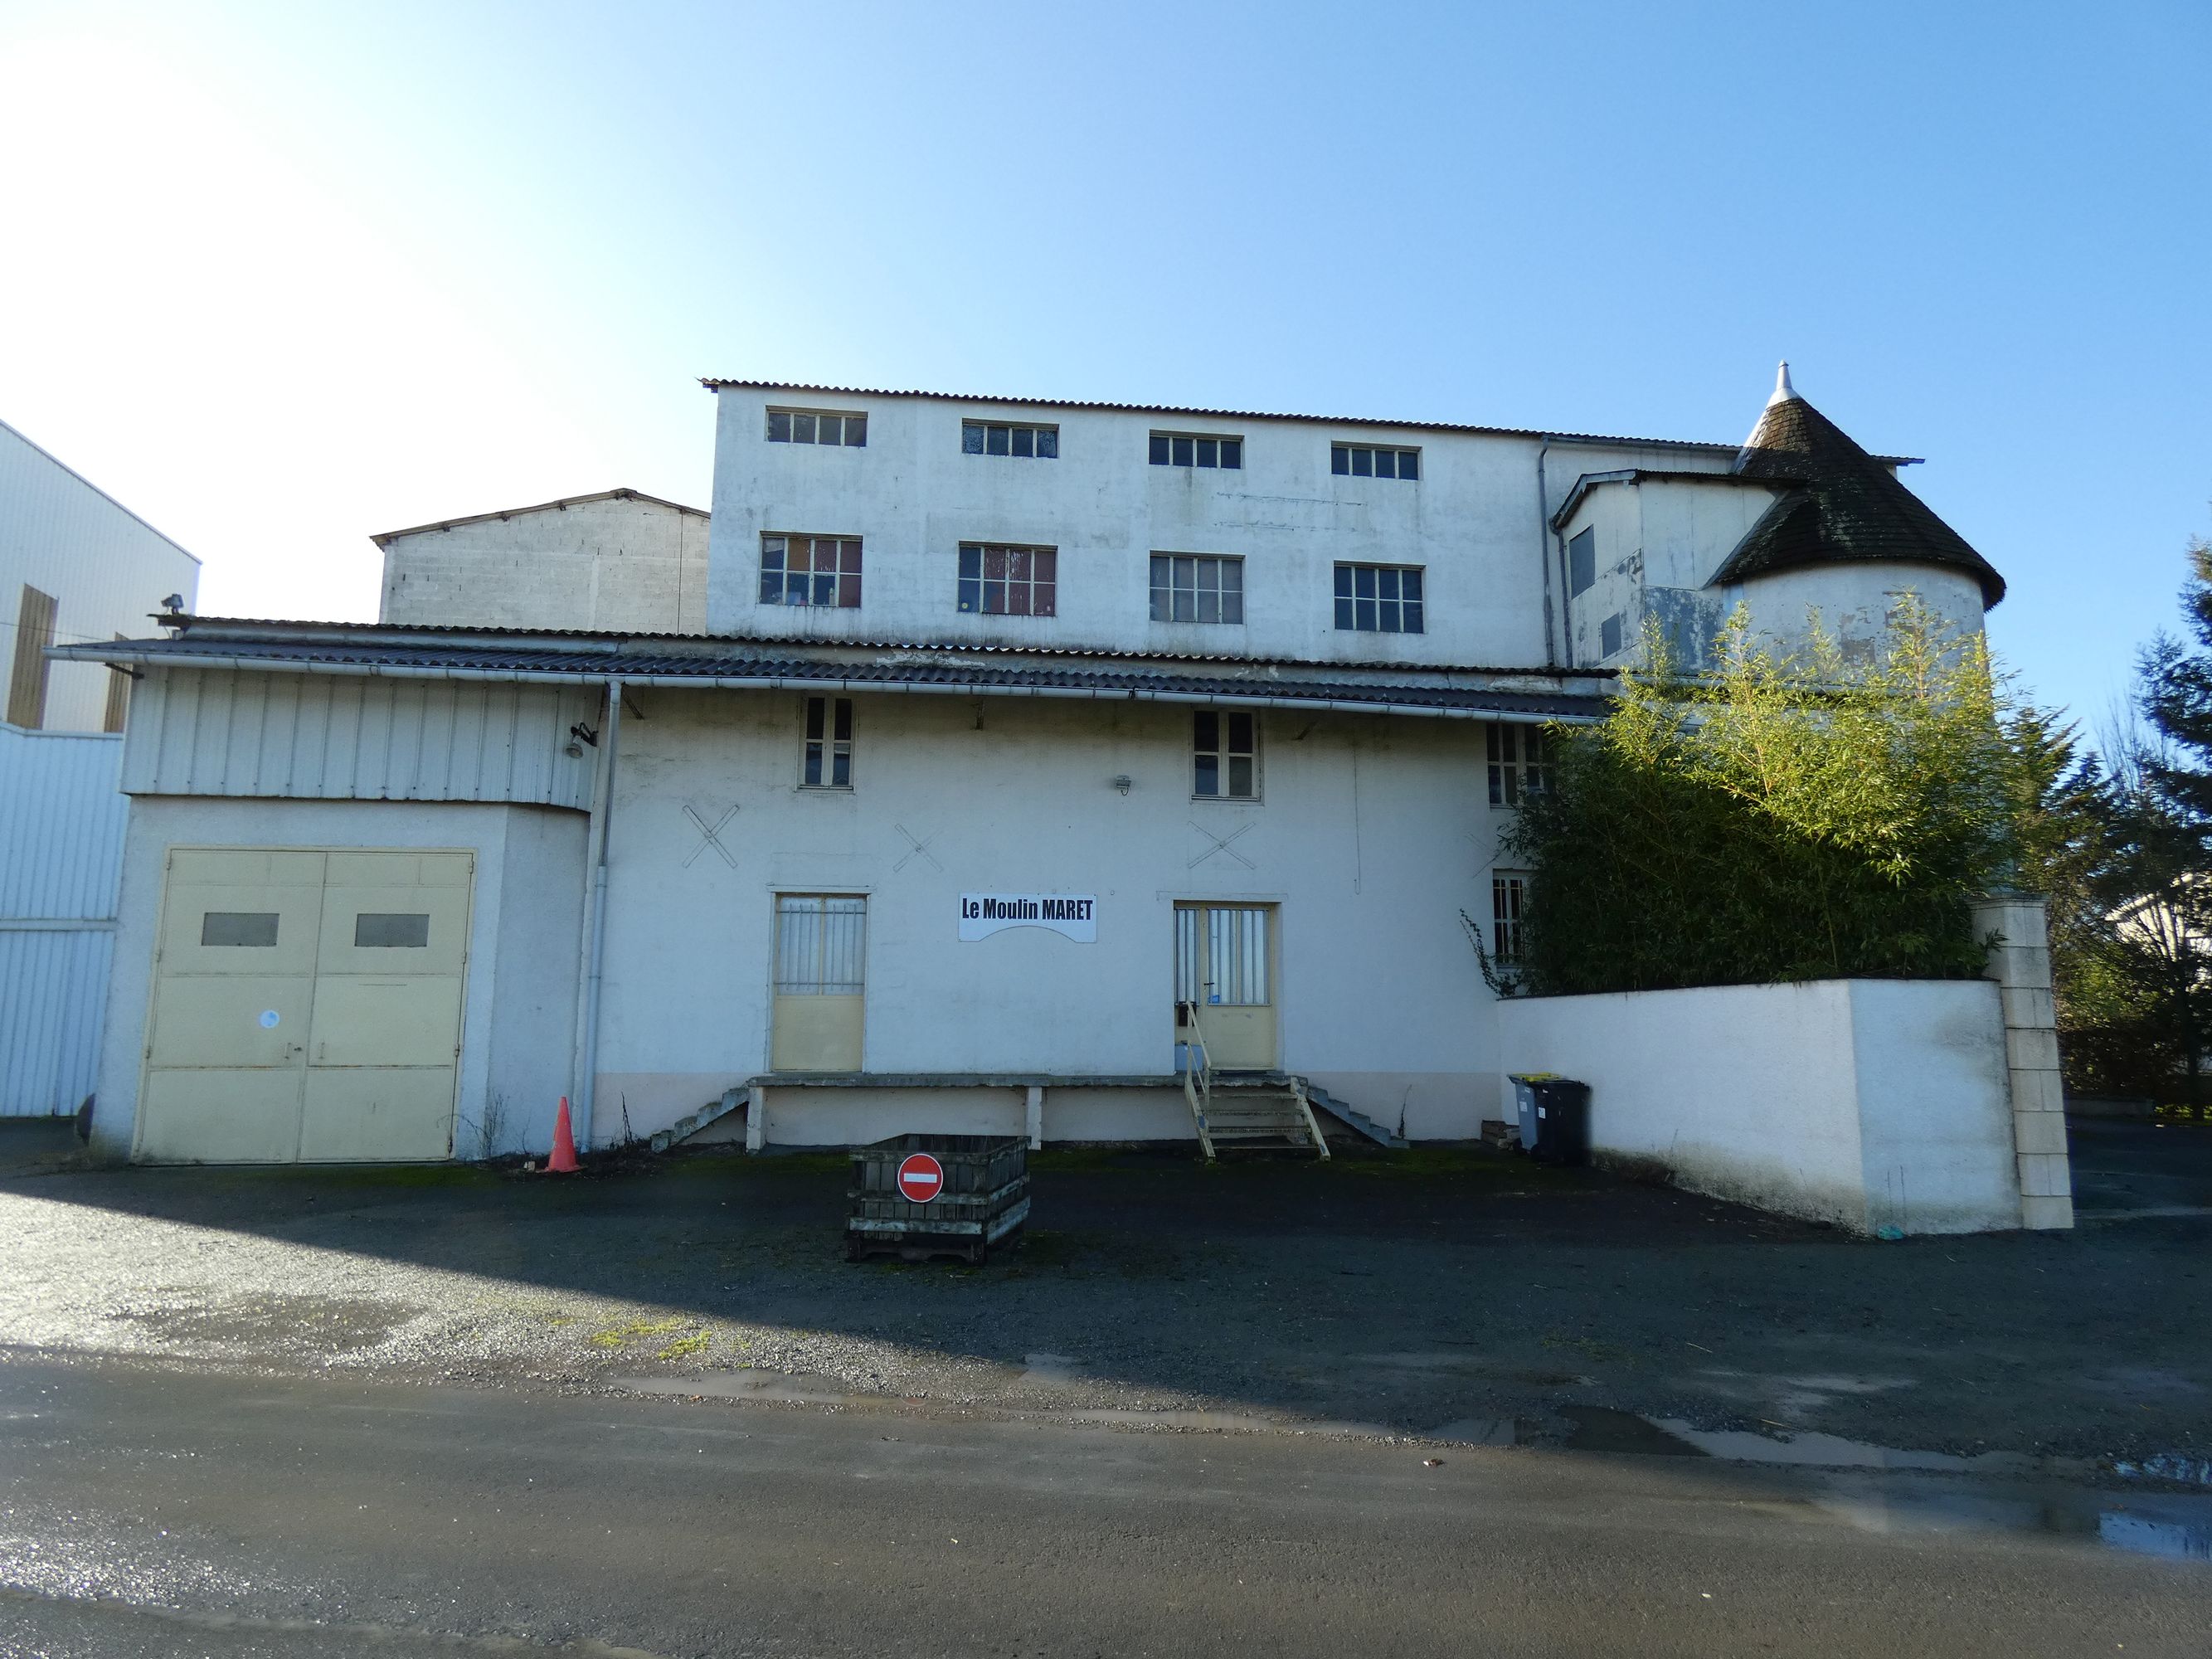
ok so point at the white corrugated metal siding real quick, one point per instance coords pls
(333, 737)
(61, 861)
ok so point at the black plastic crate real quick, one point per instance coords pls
(983, 1203)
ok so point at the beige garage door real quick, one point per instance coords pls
(307, 1005)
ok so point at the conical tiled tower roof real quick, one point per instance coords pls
(1845, 505)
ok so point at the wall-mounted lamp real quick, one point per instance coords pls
(1123, 782)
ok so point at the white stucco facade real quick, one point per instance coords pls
(1470, 522)
(618, 563)
(646, 798)
(1867, 1103)
(1370, 836)
(1657, 544)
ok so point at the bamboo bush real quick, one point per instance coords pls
(1783, 817)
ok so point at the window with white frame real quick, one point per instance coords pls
(1190, 449)
(1197, 588)
(990, 438)
(1009, 581)
(1379, 598)
(828, 763)
(1508, 896)
(818, 426)
(1367, 461)
(823, 570)
(1225, 753)
(1520, 762)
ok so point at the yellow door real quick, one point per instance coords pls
(821, 943)
(307, 1005)
(234, 991)
(387, 1037)
(1225, 976)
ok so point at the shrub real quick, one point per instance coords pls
(1784, 817)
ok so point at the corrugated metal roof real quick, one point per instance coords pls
(714, 383)
(617, 640)
(566, 501)
(361, 651)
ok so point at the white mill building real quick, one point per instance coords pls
(1006, 739)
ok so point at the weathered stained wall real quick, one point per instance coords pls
(614, 565)
(519, 998)
(107, 568)
(1658, 541)
(197, 731)
(1371, 836)
(1473, 520)
(1867, 1104)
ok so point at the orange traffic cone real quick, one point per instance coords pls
(563, 1161)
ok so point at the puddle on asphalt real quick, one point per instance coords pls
(1885, 1489)
(1601, 1429)
(2175, 1528)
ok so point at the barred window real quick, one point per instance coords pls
(815, 426)
(811, 570)
(1508, 894)
(1363, 461)
(1379, 598)
(1520, 764)
(828, 757)
(1193, 587)
(989, 438)
(1009, 581)
(1225, 754)
(1188, 449)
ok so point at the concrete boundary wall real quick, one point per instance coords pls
(1867, 1104)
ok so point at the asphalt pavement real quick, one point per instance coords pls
(151, 1511)
(1443, 1403)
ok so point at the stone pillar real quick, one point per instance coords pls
(2020, 962)
(756, 1119)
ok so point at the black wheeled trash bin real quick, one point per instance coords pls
(917, 1196)
(1562, 1121)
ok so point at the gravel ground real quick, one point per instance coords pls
(1457, 1293)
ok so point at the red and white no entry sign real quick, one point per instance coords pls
(920, 1178)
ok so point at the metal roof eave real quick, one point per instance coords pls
(1172, 694)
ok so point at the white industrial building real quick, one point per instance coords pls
(999, 752)
(76, 567)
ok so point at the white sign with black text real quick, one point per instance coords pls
(1072, 914)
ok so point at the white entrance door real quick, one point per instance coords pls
(1225, 970)
(307, 1005)
(821, 992)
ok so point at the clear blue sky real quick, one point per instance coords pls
(286, 275)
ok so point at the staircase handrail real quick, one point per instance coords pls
(1197, 1079)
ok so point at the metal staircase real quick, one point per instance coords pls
(1248, 1110)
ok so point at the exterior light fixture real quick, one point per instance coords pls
(1123, 782)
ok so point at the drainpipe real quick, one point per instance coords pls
(587, 1063)
(1544, 550)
